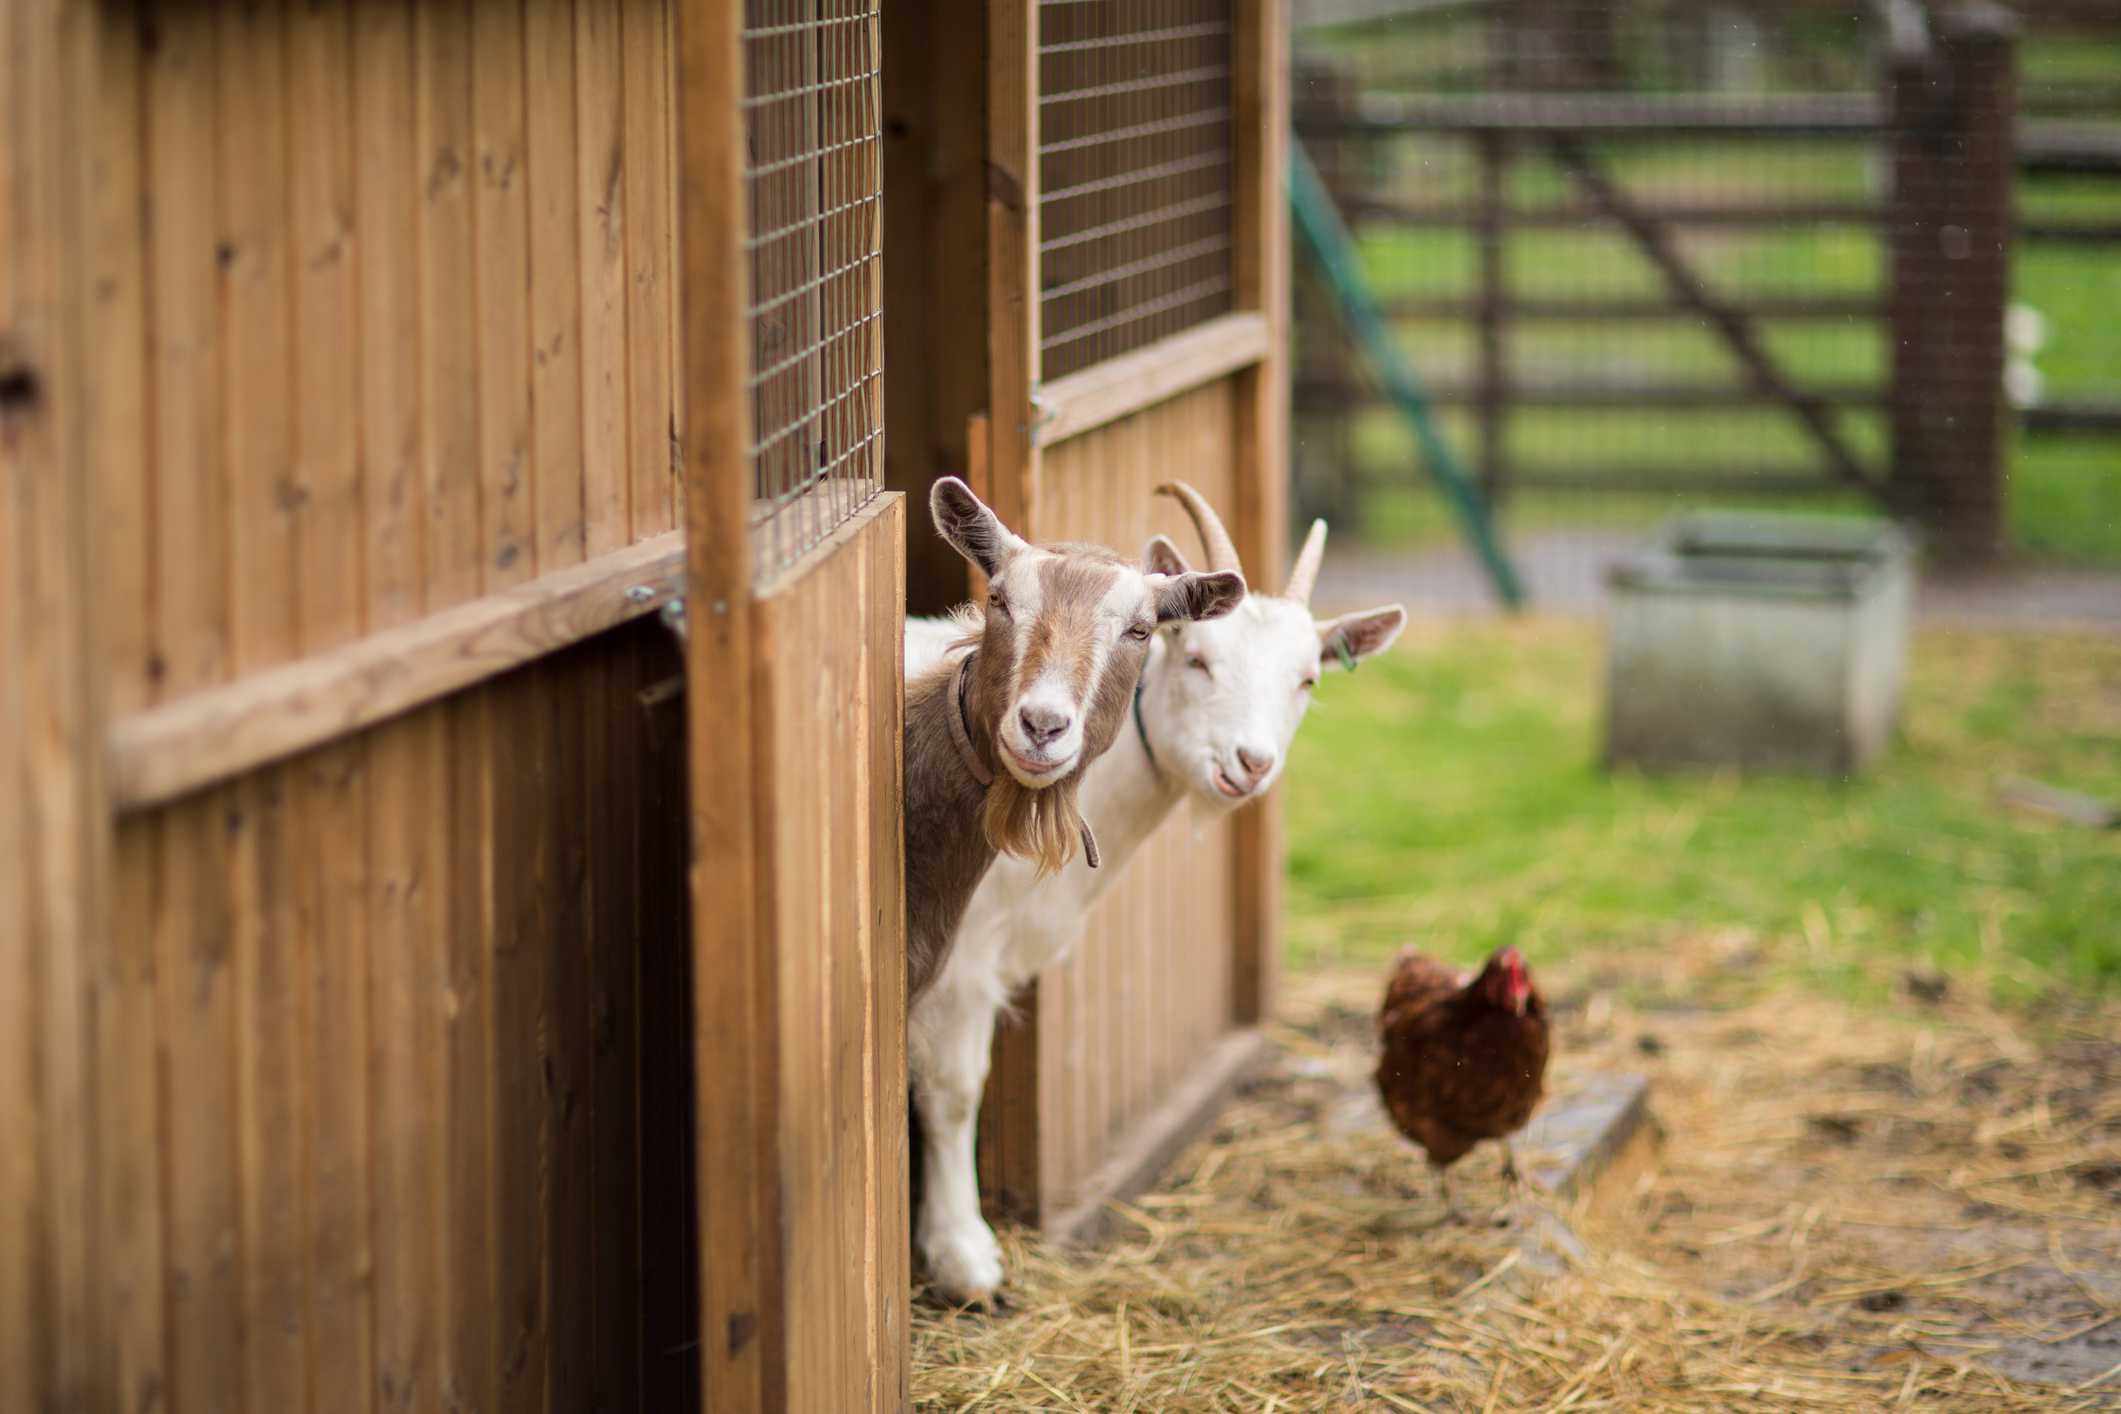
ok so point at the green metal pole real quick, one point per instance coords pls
(1325, 235)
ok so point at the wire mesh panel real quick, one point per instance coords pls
(1136, 150)
(814, 179)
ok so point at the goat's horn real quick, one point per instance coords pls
(1305, 575)
(1222, 555)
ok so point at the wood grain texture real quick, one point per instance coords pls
(555, 290)
(501, 217)
(159, 754)
(824, 696)
(445, 144)
(1261, 433)
(732, 984)
(332, 1119)
(51, 823)
(1133, 382)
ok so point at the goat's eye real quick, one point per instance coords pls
(996, 602)
(1196, 661)
(1139, 633)
(1307, 684)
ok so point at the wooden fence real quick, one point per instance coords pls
(1942, 125)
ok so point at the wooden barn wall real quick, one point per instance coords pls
(397, 1081)
(828, 707)
(392, 1045)
(1149, 991)
(376, 332)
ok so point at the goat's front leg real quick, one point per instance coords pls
(954, 1030)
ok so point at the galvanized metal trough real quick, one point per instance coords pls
(1758, 641)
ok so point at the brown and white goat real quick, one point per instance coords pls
(997, 741)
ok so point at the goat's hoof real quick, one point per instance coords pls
(966, 1270)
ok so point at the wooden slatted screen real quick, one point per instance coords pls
(1137, 179)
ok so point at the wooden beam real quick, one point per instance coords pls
(1317, 397)
(1012, 260)
(1561, 216)
(1594, 309)
(1119, 387)
(1608, 115)
(166, 751)
(1260, 56)
(56, 1307)
(734, 992)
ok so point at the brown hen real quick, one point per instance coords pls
(1463, 1061)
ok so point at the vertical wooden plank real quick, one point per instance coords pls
(569, 1212)
(329, 549)
(401, 1045)
(733, 975)
(555, 289)
(446, 149)
(1261, 91)
(130, 1126)
(935, 194)
(601, 213)
(119, 432)
(387, 266)
(885, 593)
(190, 592)
(251, 256)
(647, 260)
(501, 219)
(522, 890)
(331, 791)
(269, 1085)
(404, 1052)
(53, 823)
(465, 1293)
(613, 763)
(1012, 259)
(193, 926)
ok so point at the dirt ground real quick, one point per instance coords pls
(1850, 1208)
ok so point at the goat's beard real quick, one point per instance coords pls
(1043, 826)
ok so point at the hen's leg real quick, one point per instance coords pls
(1509, 1164)
(951, 1032)
(1450, 1205)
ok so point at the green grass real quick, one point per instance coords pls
(1448, 797)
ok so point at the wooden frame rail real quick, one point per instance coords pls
(167, 751)
(1153, 374)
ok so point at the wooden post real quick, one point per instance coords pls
(57, 1309)
(734, 990)
(1951, 104)
(1261, 213)
(1492, 389)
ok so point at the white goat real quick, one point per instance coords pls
(1214, 714)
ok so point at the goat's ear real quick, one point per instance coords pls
(1160, 556)
(972, 530)
(1353, 637)
(1196, 596)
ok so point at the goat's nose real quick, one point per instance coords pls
(1256, 763)
(1041, 724)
